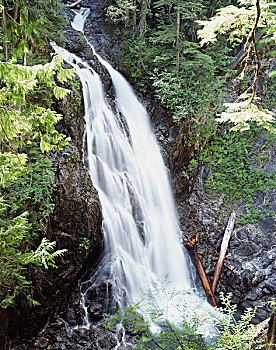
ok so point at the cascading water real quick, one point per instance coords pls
(143, 243)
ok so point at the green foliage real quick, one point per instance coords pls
(235, 334)
(27, 132)
(85, 244)
(22, 121)
(75, 87)
(157, 48)
(252, 215)
(27, 27)
(224, 331)
(118, 12)
(235, 165)
(32, 190)
(169, 60)
(188, 78)
(228, 19)
(14, 234)
(236, 22)
(240, 114)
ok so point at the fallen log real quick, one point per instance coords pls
(262, 336)
(271, 332)
(223, 249)
(75, 4)
(191, 245)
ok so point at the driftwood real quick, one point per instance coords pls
(192, 248)
(271, 332)
(267, 333)
(223, 249)
(75, 4)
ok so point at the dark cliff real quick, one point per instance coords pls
(248, 272)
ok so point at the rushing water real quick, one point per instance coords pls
(143, 244)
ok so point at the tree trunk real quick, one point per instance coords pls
(15, 12)
(177, 40)
(5, 44)
(223, 249)
(134, 20)
(127, 16)
(192, 248)
(271, 332)
(143, 19)
(75, 4)
(242, 54)
(198, 167)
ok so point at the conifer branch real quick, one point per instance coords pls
(252, 38)
(10, 143)
(6, 12)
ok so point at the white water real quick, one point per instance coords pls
(143, 244)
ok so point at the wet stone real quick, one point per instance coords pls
(42, 343)
(95, 312)
(59, 338)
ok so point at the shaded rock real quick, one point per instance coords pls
(95, 312)
(76, 216)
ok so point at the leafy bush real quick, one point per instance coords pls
(27, 132)
(197, 329)
(15, 256)
(235, 162)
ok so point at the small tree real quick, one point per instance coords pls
(220, 329)
(27, 132)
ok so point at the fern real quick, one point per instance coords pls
(44, 255)
(242, 113)
(13, 259)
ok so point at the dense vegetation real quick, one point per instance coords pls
(181, 51)
(27, 132)
(204, 61)
(196, 327)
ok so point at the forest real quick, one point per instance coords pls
(210, 65)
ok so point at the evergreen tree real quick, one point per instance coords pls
(27, 27)
(186, 67)
(27, 131)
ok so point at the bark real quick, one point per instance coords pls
(142, 24)
(271, 332)
(16, 12)
(192, 248)
(134, 20)
(127, 18)
(5, 45)
(177, 41)
(223, 249)
(198, 167)
(75, 4)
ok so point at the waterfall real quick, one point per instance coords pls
(143, 243)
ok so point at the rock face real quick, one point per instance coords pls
(247, 273)
(75, 225)
(249, 269)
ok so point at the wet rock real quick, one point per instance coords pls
(78, 211)
(76, 216)
(251, 252)
(42, 343)
(95, 312)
